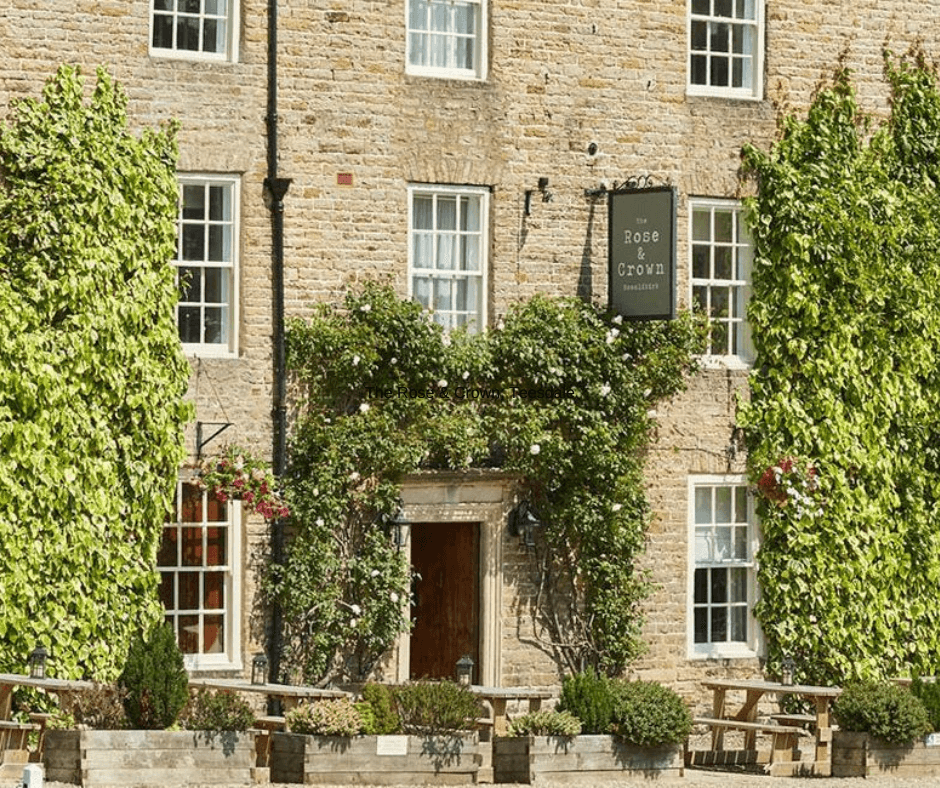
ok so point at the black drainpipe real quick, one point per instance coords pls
(275, 188)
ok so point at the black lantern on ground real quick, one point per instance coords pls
(465, 670)
(259, 669)
(786, 670)
(522, 523)
(37, 663)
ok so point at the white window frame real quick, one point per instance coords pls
(230, 658)
(437, 275)
(738, 286)
(478, 72)
(229, 53)
(755, 90)
(233, 183)
(753, 645)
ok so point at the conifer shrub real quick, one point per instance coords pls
(883, 710)
(649, 714)
(154, 680)
(432, 707)
(588, 696)
(381, 702)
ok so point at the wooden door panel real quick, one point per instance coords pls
(445, 609)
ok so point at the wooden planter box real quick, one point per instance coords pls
(374, 760)
(861, 755)
(148, 758)
(583, 758)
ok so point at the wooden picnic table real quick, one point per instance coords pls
(745, 718)
(290, 694)
(497, 698)
(14, 736)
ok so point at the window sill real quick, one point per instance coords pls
(443, 75)
(207, 351)
(703, 652)
(205, 663)
(191, 57)
(700, 91)
(725, 362)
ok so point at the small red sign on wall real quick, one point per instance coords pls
(344, 179)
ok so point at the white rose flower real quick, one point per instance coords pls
(534, 449)
(441, 384)
(364, 407)
(394, 597)
(356, 609)
(366, 308)
(618, 319)
(605, 390)
(355, 361)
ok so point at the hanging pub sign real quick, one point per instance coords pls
(642, 253)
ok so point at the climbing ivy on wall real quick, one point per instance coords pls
(560, 392)
(91, 375)
(846, 321)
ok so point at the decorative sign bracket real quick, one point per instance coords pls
(632, 182)
(200, 441)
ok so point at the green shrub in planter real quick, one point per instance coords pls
(338, 717)
(381, 702)
(154, 680)
(884, 710)
(588, 697)
(545, 723)
(929, 694)
(217, 711)
(649, 714)
(434, 707)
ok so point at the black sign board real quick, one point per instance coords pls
(642, 253)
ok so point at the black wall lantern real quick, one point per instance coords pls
(786, 670)
(37, 663)
(394, 525)
(522, 523)
(259, 669)
(465, 670)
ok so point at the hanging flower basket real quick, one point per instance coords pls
(236, 475)
(790, 480)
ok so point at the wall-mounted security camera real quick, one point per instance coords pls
(592, 149)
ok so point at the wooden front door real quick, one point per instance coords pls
(445, 610)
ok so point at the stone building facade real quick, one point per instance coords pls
(510, 117)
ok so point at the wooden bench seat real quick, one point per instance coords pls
(784, 736)
(798, 720)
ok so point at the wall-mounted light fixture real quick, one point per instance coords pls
(395, 524)
(37, 663)
(259, 668)
(465, 670)
(522, 523)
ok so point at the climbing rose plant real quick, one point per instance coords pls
(92, 377)
(845, 316)
(238, 475)
(383, 392)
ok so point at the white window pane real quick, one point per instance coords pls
(417, 14)
(723, 505)
(738, 632)
(703, 505)
(470, 253)
(703, 545)
(422, 213)
(446, 252)
(422, 291)
(418, 48)
(440, 17)
(740, 504)
(723, 547)
(446, 213)
(423, 245)
(740, 543)
(444, 297)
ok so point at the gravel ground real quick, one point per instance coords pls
(694, 778)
